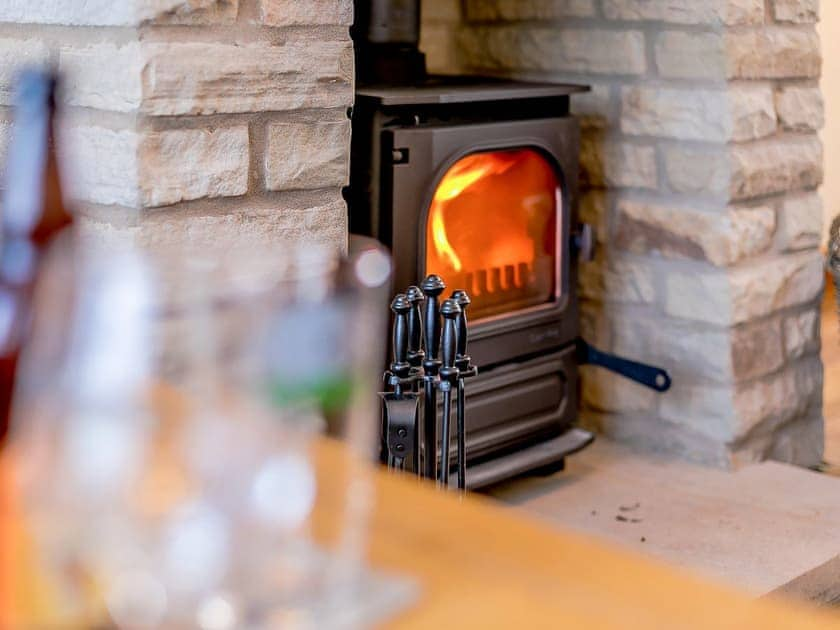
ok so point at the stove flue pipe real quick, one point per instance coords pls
(387, 36)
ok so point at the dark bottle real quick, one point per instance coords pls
(33, 214)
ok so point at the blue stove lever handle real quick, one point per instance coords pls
(648, 375)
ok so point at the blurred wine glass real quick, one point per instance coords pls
(176, 431)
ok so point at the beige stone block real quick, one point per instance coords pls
(122, 13)
(288, 222)
(102, 76)
(620, 281)
(691, 55)
(697, 170)
(5, 138)
(307, 155)
(721, 238)
(800, 108)
(801, 222)
(440, 12)
(797, 11)
(208, 78)
(802, 333)
(710, 12)
(297, 12)
(714, 115)
(100, 165)
(801, 443)
(694, 352)
(773, 53)
(614, 164)
(515, 47)
(744, 293)
(607, 391)
(16, 54)
(179, 165)
(438, 42)
(490, 10)
(732, 413)
(775, 166)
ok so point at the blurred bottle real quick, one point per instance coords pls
(33, 214)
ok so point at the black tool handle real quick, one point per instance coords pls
(415, 326)
(432, 287)
(648, 375)
(401, 308)
(461, 358)
(449, 340)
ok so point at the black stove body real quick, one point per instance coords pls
(475, 179)
(407, 143)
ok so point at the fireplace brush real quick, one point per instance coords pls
(424, 352)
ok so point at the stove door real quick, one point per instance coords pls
(489, 207)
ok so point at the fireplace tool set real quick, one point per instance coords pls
(433, 359)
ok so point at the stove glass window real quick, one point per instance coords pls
(492, 230)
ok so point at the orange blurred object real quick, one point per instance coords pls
(492, 230)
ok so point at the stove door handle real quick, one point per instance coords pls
(648, 375)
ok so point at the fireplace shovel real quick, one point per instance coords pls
(648, 375)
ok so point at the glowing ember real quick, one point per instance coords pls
(491, 229)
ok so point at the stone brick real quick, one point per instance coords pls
(801, 443)
(744, 293)
(691, 55)
(623, 281)
(123, 13)
(734, 413)
(697, 170)
(514, 47)
(693, 352)
(100, 165)
(15, 54)
(490, 10)
(441, 12)
(102, 76)
(797, 11)
(438, 42)
(617, 164)
(738, 113)
(295, 12)
(800, 108)
(5, 137)
(802, 334)
(607, 391)
(207, 78)
(800, 222)
(185, 164)
(307, 155)
(719, 238)
(710, 12)
(773, 53)
(775, 166)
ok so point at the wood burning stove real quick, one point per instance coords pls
(475, 179)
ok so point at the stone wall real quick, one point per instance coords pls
(701, 164)
(204, 120)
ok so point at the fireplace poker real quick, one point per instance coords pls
(448, 378)
(465, 369)
(432, 287)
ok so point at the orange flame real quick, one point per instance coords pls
(491, 219)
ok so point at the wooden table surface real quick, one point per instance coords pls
(480, 565)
